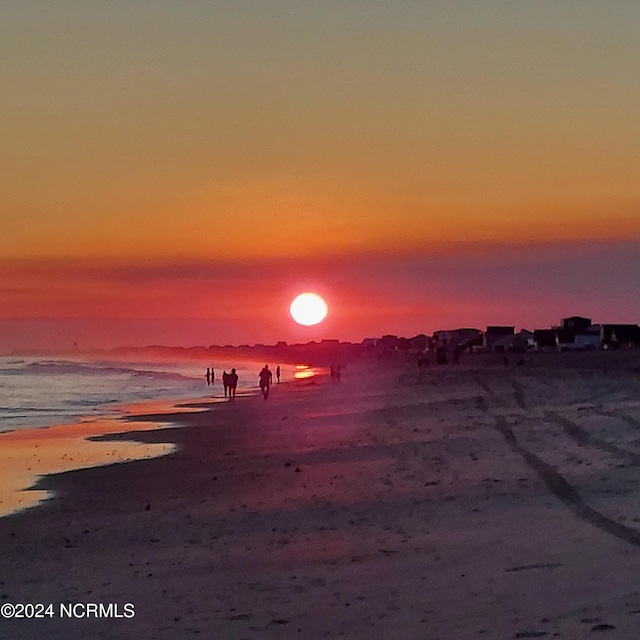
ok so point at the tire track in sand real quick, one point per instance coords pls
(623, 417)
(582, 437)
(564, 491)
(519, 394)
(556, 483)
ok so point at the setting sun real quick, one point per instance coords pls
(308, 309)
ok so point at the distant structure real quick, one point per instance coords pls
(546, 339)
(387, 345)
(579, 334)
(494, 334)
(518, 342)
(574, 333)
(466, 338)
(588, 339)
(620, 336)
(456, 337)
(419, 344)
(577, 324)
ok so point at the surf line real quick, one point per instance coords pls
(564, 491)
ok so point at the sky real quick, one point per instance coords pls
(176, 172)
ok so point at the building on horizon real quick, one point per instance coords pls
(494, 334)
(620, 336)
(518, 342)
(546, 339)
(577, 324)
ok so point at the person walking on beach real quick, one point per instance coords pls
(213, 377)
(278, 373)
(208, 377)
(225, 382)
(266, 378)
(232, 380)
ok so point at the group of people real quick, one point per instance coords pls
(230, 383)
(230, 380)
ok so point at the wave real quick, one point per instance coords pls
(77, 368)
(40, 391)
(86, 402)
(8, 411)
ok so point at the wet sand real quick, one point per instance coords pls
(27, 455)
(471, 501)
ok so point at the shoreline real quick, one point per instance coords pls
(29, 454)
(386, 505)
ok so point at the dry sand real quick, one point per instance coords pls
(470, 501)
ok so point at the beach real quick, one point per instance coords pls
(464, 501)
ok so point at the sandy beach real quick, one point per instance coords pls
(469, 501)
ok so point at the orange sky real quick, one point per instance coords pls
(233, 138)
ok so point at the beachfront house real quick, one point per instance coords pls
(576, 324)
(473, 344)
(588, 340)
(518, 342)
(441, 337)
(584, 338)
(566, 338)
(493, 335)
(463, 338)
(546, 339)
(575, 333)
(620, 336)
(419, 343)
(387, 344)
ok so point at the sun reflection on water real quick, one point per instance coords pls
(304, 371)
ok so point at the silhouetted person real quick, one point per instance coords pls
(266, 378)
(225, 382)
(208, 377)
(278, 373)
(232, 383)
(213, 377)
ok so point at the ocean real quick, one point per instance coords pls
(81, 397)
(40, 392)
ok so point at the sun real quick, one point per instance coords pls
(308, 309)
